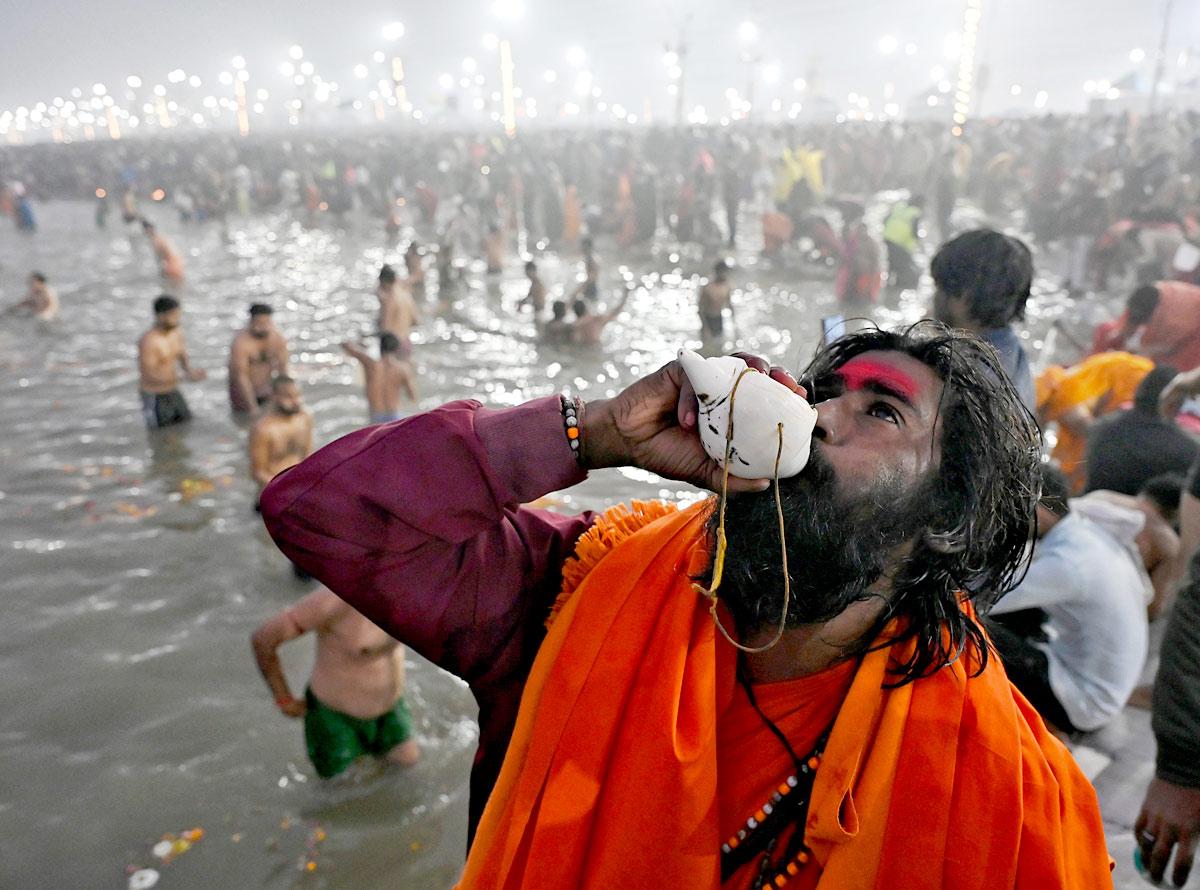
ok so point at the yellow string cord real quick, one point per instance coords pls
(719, 560)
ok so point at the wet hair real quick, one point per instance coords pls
(257, 309)
(38, 277)
(165, 303)
(559, 308)
(1165, 491)
(281, 380)
(981, 507)
(387, 275)
(1056, 490)
(1145, 397)
(580, 308)
(992, 270)
(1142, 303)
(388, 342)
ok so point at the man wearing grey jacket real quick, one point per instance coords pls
(1170, 816)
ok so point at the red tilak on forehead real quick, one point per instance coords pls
(859, 372)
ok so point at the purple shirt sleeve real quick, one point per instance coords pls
(418, 525)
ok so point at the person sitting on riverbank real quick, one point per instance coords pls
(642, 746)
(1128, 448)
(1080, 667)
(1161, 321)
(386, 378)
(354, 703)
(161, 350)
(982, 281)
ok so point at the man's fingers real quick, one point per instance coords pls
(1161, 852)
(685, 408)
(781, 375)
(1184, 853)
(756, 362)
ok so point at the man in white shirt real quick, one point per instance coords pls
(1095, 631)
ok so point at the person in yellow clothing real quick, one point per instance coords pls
(1074, 397)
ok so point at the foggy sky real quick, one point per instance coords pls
(1053, 45)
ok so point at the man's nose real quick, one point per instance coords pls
(831, 421)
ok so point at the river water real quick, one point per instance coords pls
(134, 567)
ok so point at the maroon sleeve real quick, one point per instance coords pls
(418, 525)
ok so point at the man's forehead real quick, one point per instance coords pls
(893, 370)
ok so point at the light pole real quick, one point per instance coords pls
(508, 11)
(240, 76)
(392, 32)
(1162, 56)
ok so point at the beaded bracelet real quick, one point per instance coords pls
(571, 411)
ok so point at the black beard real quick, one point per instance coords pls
(287, 412)
(837, 545)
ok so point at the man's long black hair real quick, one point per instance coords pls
(975, 546)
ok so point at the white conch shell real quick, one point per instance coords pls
(760, 405)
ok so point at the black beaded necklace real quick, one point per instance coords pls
(788, 805)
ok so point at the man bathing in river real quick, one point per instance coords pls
(354, 702)
(283, 436)
(162, 350)
(386, 378)
(258, 353)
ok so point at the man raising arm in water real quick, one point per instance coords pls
(387, 376)
(354, 703)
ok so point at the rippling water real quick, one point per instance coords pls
(134, 567)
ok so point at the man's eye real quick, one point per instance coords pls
(884, 411)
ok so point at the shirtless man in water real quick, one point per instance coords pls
(170, 264)
(588, 326)
(284, 436)
(354, 703)
(160, 351)
(397, 310)
(387, 377)
(41, 301)
(258, 353)
(714, 300)
(415, 267)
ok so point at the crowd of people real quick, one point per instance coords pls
(980, 549)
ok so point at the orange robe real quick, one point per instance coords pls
(615, 775)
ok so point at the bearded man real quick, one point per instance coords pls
(625, 740)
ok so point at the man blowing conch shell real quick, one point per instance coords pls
(625, 741)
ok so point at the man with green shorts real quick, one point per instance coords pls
(354, 703)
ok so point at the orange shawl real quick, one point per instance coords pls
(611, 781)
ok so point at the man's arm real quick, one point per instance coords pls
(418, 525)
(1170, 815)
(409, 385)
(316, 610)
(354, 350)
(260, 455)
(193, 374)
(239, 367)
